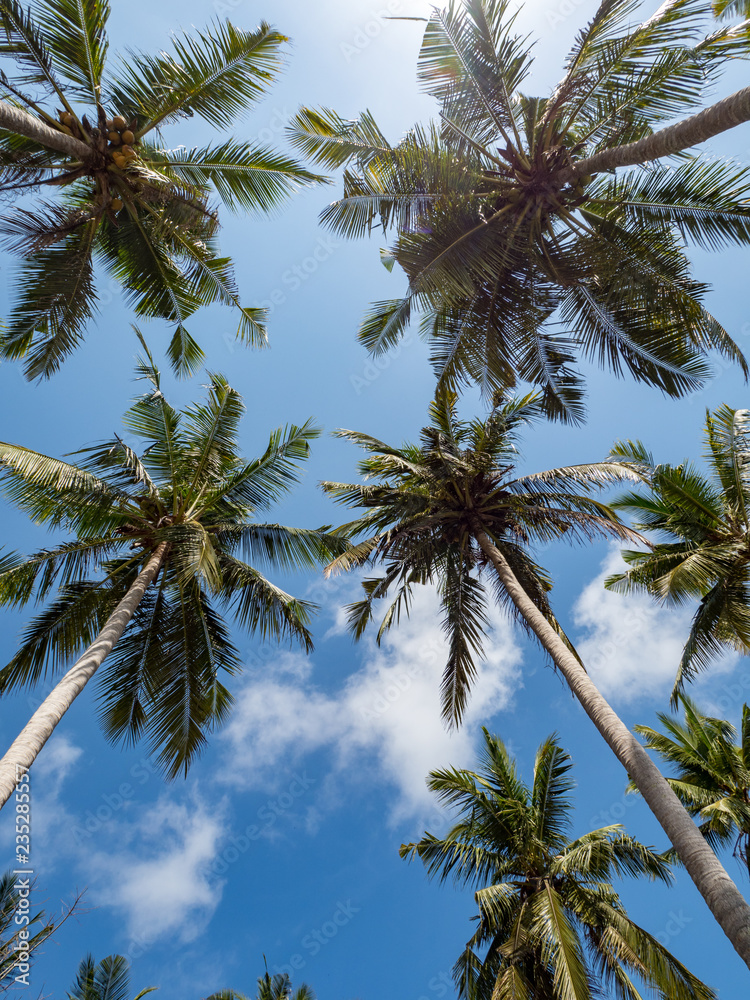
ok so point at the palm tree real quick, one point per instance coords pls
(124, 199)
(110, 978)
(278, 987)
(713, 772)
(706, 519)
(156, 556)
(522, 245)
(549, 922)
(19, 939)
(105, 980)
(445, 511)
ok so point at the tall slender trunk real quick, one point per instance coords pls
(720, 893)
(22, 123)
(41, 725)
(719, 117)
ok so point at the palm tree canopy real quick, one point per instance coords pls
(277, 987)
(188, 489)
(705, 519)
(105, 980)
(713, 772)
(129, 203)
(425, 505)
(11, 949)
(550, 925)
(515, 269)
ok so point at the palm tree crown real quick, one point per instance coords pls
(428, 505)
(277, 987)
(713, 772)
(550, 925)
(706, 521)
(126, 200)
(108, 979)
(519, 259)
(190, 498)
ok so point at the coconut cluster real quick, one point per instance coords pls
(121, 139)
(114, 138)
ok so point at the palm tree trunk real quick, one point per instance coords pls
(720, 117)
(22, 123)
(720, 893)
(25, 748)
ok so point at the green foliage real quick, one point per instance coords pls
(276, 987)
(147, 220)
(425, 507)
(38, 930)
(516, 270)
(703, 521)
(105, 980)
(712, 777)
(188, 489)
(549, 924)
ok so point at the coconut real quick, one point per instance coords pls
(66, 118)
(128, 137)
(114, 138)
(119, 123)
(116, 204)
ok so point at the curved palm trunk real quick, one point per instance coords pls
(41, 725)
(720, 893)
(720, 117)
(22, 123)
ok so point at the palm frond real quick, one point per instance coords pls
(216, 73)
(75, 31)
(246, 176)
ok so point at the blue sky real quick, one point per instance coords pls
(283, 842)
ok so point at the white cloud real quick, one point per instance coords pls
(55, 762)
(159, 878)
(631, 646)
(386, 716)
(155, 869)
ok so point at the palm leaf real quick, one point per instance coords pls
(215, 73)
(75, 31)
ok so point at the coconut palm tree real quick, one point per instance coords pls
(452, 509)
(19, 939)
(523, 243)
(549, 923)
(278, 987)
(713, 772)
(705, 519)
(156, 559)
(111, 978)
(124, 198)
(105, 980)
